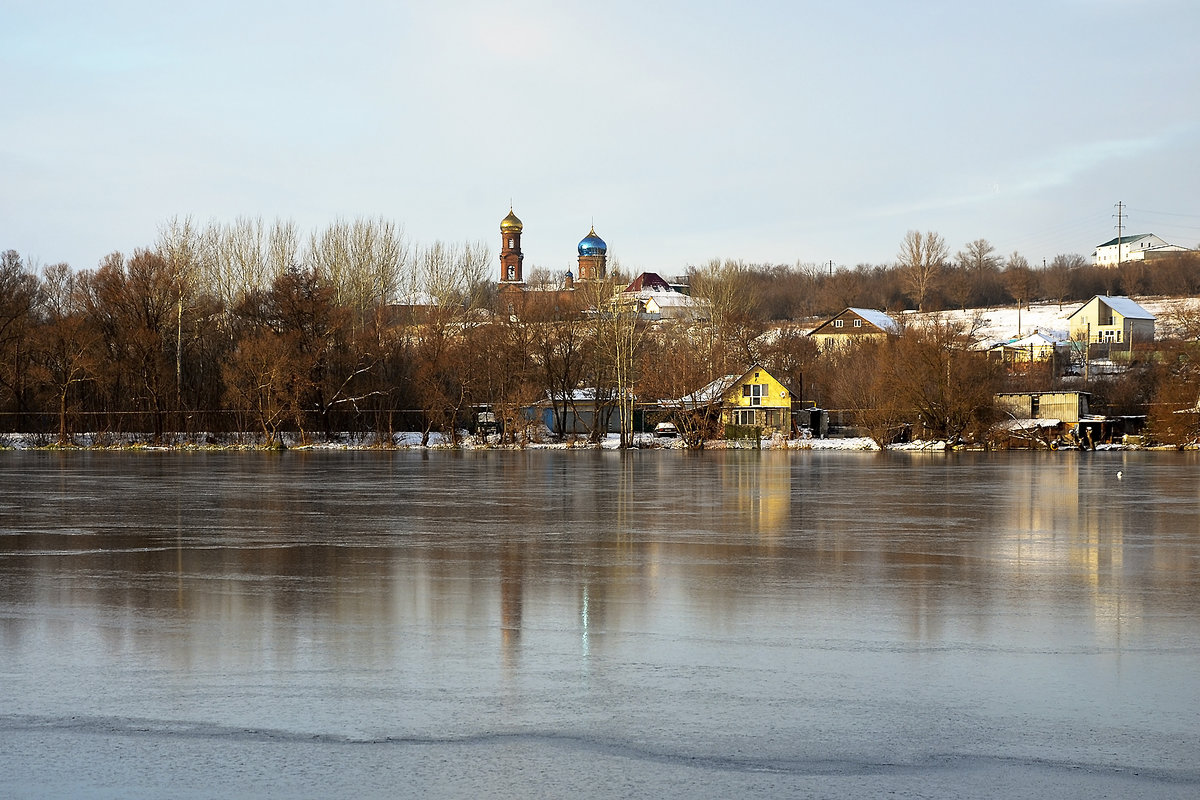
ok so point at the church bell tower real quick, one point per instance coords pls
(593, 257)
(511, 256)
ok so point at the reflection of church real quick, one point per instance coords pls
(593, 256)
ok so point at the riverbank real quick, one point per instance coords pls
(412, 441)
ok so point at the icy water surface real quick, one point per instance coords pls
(598, 624)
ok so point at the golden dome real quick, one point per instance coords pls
(511, 224)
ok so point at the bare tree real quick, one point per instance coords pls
(18, 294)
(364, 260)
(921, 260)
(978, 256)
(453, 273)
(1019, 279)
(861, 382)
(948, 384)
(1057, 277)
(728, 291)
(65, 352)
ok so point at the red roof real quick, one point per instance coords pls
(648, 280)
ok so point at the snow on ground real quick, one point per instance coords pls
(1008, 322)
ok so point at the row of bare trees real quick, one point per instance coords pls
(244, 328)
(926, 276)
(179, 339)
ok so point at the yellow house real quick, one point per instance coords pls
(1116, 321)
(757, 399)
(854, 324)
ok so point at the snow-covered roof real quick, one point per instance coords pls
(577, 395)
(1028, 424)
(707, 395)
(1125, 307)
(878, 319)
(648, 281)
(1037, 339)
(664, 299)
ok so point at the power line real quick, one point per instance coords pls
(1165, 213)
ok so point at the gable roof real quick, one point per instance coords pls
(1035, 339)
(1125, 239)
(708, 394)
(649, 281)
(1122, 305)
(716, 391)
(877, 318)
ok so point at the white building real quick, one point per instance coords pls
(1131, 248)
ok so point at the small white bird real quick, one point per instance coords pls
(1119, 474)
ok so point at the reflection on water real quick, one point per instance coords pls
(369, 539)
(798, 597)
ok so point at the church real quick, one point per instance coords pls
(592, 265)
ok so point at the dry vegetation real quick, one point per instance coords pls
(249, 328)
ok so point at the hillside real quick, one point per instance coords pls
(1001, 324)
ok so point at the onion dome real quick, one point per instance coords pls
(511, 224)
(592, 245)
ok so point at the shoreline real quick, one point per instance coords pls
(412, 441)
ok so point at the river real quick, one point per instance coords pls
(599, 624)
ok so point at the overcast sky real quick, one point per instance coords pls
(776, 132)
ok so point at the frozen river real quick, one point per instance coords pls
(597, 624)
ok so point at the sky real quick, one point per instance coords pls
(771, 132)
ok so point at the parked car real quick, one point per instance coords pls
(665, 430)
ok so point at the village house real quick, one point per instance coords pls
(754, 399)
(854, 324)
(1114, 321)
(1137, 247)
(1036, 348)
(757, 399)
(656, 299)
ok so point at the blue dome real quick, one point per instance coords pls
(592, 245)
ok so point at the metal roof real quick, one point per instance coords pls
(1122, 305)
(877, 318)
(1125, 239)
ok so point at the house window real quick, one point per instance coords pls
(858, 323)
(838, 323)
(743, 416)
(755, 392)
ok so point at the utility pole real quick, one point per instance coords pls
(1120, 221)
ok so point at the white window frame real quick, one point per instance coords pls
(755, 392)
